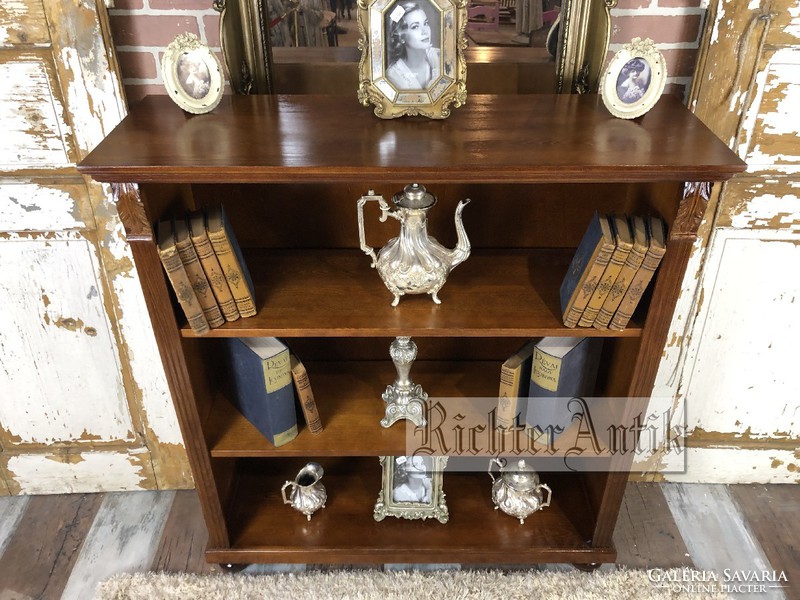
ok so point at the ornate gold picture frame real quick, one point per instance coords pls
(412, 488)
(412, 56)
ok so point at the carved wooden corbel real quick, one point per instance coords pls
(691, 210)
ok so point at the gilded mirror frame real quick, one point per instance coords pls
(583, 37)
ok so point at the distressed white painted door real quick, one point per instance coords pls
(84, 404)
(732, 362)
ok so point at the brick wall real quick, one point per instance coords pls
(143, 28)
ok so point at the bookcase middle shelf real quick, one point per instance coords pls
(335, 293)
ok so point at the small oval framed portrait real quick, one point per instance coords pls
(192, 74)
(634, 79)
(412, 60)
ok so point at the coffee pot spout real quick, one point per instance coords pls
(461, 252)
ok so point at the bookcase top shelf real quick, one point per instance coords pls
(492, 139)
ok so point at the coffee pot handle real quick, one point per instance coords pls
(549, 494)
(385, 212)
(500, 462)
(283, 491)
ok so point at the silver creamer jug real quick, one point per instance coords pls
(307, 493)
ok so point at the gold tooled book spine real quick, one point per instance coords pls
(213, 270)
(306, 396)
(233, 273)
(604, 285)
(183, 290)
(199, 282)
(594, 272)
(621, 285)
(638, 285)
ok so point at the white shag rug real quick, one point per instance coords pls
(620, 584)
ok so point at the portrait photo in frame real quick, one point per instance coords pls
(192, 74)
(634, 79)
(412, 56)
(412, 488)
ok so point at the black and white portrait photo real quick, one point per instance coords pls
(412, 480)
(193, 76)
(633, 80)
(413, 44)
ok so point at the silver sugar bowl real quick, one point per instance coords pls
(517, 491)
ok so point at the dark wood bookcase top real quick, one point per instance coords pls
(536, 168)
(523, 139)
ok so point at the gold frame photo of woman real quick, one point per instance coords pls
(412, 56)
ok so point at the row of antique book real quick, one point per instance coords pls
(611, 269)
(205, 266)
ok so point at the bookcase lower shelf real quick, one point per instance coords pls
(264, 530)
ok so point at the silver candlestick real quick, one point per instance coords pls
(404, 399)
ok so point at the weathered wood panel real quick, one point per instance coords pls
(22, 22)
(760, 203)
(768, 138)
(44, 207)
(75, 472)
(36, 134)
(727, 460)
(59, 361)
(741, 361)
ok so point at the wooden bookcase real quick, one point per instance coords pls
(289, 170)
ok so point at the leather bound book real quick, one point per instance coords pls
(638, 229)
(197, 277)
(211, 266)
(177, 276)
(515, 374)
(230, 259)
(586, 269)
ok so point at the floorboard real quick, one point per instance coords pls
(646, 535)
(41, 554)
(181, 548)
(715, 532)
(11, 510)
(771, 512)
(123, 538)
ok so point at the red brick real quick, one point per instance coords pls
(673, 3)
(137, 65)
(149, 30)
(634, 3)
(680, 63)
(135, 92)
(180, 4)
(661, 29)
(211, 23)
(126, 5)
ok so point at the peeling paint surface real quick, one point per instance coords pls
(32, 117)
(741, 369)
(92, 472)
(22, 22)
(732, 465)
(37, 207)
(58, 367)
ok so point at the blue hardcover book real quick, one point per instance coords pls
(562, 368)
(263, 391)
(586, 269)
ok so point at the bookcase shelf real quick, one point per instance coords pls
(345, 531)
(322, 293)
(536, 169)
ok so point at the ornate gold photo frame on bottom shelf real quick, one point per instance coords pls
(412, 488)
(412, 56)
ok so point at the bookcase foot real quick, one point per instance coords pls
(587, 567)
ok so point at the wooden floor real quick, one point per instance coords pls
(61, 546)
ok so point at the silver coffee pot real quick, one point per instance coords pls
(517, 491)
(307, 493)
(413, 262)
